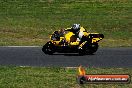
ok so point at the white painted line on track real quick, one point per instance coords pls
(24, 66)
(48, 67)
(71, 67)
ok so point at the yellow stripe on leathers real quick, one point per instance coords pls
(85, 33)
(82, 29)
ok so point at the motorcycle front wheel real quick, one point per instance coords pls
(48, 48)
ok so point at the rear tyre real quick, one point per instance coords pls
(48, 48)
(92, 48)
(88, 49)
(81, 52)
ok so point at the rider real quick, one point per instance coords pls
(78, 31)
(61, 32)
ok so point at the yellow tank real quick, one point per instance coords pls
(68, 36)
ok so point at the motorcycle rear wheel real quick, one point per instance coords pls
(88, 49)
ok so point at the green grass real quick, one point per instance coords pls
(54, 77)
(29, 22)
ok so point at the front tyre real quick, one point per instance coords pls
(48, 48)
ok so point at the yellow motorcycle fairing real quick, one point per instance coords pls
(71, 39)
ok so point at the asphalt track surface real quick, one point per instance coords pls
(33, 56)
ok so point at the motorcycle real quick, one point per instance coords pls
(67, 43)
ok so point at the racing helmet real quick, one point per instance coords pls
(76, 27)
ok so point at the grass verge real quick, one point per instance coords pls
(54, 77)
(29, 22)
